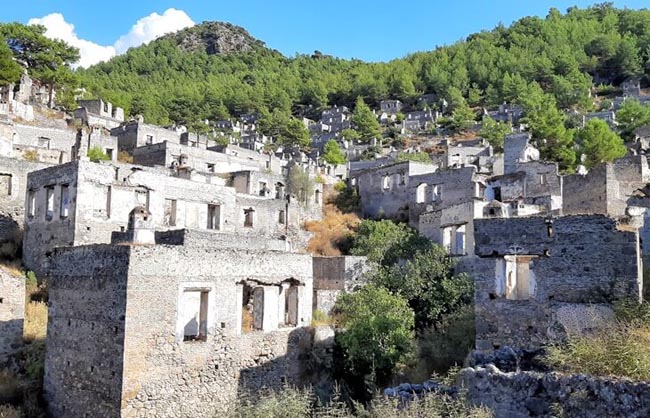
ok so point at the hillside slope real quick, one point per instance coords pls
(220, 69)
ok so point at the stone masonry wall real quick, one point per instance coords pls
(116, 347)
(336, 275)
(166, 377)
(585, 260)
(531, 394)
(85, 335)
(12, 312)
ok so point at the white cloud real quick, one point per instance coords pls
(153, 26)
(142, 32)
(58, 28)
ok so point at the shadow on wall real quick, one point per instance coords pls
(11, 238)
(11, 338)
(307, 363)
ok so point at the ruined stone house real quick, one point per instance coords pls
(334, 276)
(173, 331)
(385, 190)
(538, 278)
(83, 203)
(98, 113)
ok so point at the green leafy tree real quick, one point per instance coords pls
(632, 115)
(377, 333)
(428, 282)
(365, 122)
(546, 124)
(10, 71)
(285, 129)
(599, 143)
(495, 132)
(462, 117)
(385, 242)
(48, 60)
(350, 135)
(333, 154)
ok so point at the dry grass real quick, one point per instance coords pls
(35, 326)
(124, 157)
(622, 350)
(246, 320)
(8, 411)
(12, 267)
(332, 233)
(295, 403)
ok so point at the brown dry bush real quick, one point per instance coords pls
(332, 233)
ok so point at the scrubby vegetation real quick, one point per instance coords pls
(618, 349)
(294, 403)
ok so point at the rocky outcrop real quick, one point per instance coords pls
(216, 38)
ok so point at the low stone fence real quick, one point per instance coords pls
(534, 394)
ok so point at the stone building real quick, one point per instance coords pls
(606, 188)
(97, 113)
(83, 203)
(443, 207)
(136, 133)
(534, 187)
(336, 275)
(385, 190)
(538, 278)
(173, 331)
(12, 313)
(13, 188)
(210, 160)
(518, 149)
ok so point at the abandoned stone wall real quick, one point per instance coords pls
(163, 374)
(433, 225)
(564, 265)
(135, 134)
(385, 192)
(262, 161)
(13, 188)
(48, 138)
(443, 189)
(606, 188)
(514, 148)
(12, 312)
(196, 238)
(49, 217)
(201, 159)
(85, 335)
(531, 394)
(336, 275)
(460, 156)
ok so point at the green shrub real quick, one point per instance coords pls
(97, 154)
(377, 333)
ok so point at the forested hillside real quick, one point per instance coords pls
(565, 53)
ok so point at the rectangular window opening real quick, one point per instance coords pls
(214, 217)
(194, 315)
(49, 202)
(31, 203)
(64, 210)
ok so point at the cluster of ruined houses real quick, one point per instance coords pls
(176, 282)
(543, 248)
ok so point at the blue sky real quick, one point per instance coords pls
(370, 30)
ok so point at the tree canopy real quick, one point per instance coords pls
(48, 60)
(598, 143)
(333, 154)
